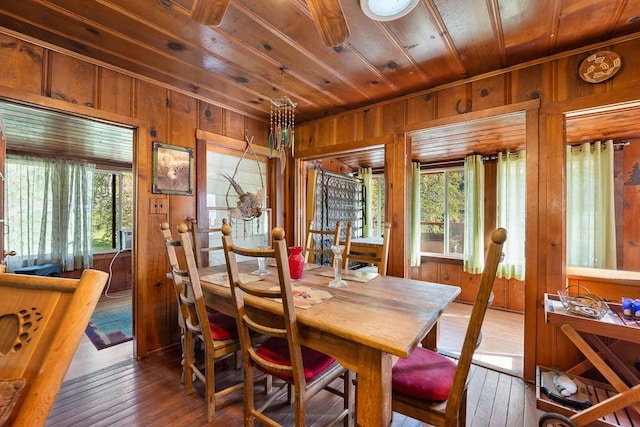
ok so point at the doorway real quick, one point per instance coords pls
(36, 134)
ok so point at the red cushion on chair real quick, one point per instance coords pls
(222, 327)
(424, 374)
(276, 350)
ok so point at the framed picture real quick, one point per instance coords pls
(173, 169)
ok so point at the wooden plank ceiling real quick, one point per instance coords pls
(238, 64)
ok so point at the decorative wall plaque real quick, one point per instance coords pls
(600, 66)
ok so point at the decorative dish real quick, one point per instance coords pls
(580, 301)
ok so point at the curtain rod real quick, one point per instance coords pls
(618, 144)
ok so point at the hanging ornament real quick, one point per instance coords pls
(282, 124)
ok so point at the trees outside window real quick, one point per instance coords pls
(112, 209)
(442, 212)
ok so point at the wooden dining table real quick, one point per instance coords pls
(366, 326)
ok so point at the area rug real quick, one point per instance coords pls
(110, 327)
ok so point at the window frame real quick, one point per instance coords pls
(116, 213)
(445, 254)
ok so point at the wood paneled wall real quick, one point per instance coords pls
(119, 269)
(555, 85)
(60, 81)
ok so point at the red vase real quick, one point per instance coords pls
(296, 262)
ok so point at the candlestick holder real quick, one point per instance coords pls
(337, 282)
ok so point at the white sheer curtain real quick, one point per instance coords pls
(414, 238)
(473, 214)
(511, 212)
(591, 230)
(366, 175)
(49, 206)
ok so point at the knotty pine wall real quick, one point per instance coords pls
(51, 79)
(545, 90)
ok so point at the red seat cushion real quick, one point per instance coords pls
(222, 327)
(424, 374)
(276, 350)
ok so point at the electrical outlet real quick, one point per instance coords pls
(158, 205)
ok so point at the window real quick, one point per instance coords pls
(251, 176)
(442, 212)
(377, 205)
(48, 207)
(112, 210)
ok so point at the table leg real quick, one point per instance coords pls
(430, 341)
(374, 388)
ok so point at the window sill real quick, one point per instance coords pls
(622, 277)
(441, 257)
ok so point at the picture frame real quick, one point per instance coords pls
(173, 169)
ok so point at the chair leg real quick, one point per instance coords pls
(188, 362)
(248, 394)
(349, 399)
(210, 387)
(462, 412)
(268, 384)
(238, 358)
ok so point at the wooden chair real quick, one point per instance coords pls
(202, 236)
(281, 355)
(42, 320)
(432, 388)
(370, 254)
(216, 331)
(319, 242)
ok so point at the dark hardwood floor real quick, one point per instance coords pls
(111, 389)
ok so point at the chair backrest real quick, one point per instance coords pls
(483, 297)
(370, 254)
(186, 283)
(319, 242)
(248, 321)
(178, 285)
(191, 299)
(201, 238)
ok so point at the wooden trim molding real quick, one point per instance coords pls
(346, 147)
(519, 107)
(232, 144)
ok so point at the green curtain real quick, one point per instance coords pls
(366, 175)
(414, 242)
(591, 230)
(473, 214)
(511, 198)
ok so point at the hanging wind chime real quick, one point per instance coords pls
(282, 125)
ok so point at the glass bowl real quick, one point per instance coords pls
(578, 300)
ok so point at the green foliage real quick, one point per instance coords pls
(442, 201)
(107, 192)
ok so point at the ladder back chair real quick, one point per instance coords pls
(377, 255)
(281, 355)
(202, 236)
(432, 388)
(318, 243)
(217, 332)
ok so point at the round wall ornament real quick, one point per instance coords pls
(600, 66)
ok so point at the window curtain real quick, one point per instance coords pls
(591, 233)
(312, 176)
(473, 214)
(49, 206)
(366, 175)
(511, 183)
(414, 242)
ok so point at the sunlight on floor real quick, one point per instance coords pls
(502, 345)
